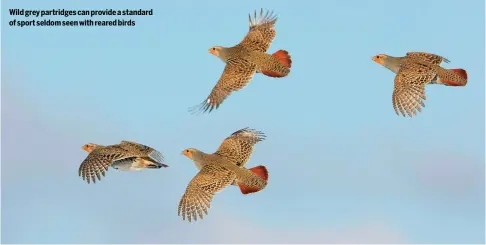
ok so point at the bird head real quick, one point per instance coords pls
(89, 147)
(190, 153)
(216, 51)
(380, 59)
(390, 62)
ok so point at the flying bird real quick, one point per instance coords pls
(413, 72)
(245, 59)
(221, 169)
(127, 156)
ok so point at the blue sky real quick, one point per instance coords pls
(343, 166)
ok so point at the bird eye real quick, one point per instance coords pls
(187, 150)
(214, 48)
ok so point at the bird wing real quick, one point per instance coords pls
(143, 150)
(98, 161)
(133, 145)
(409, 91)
(261, 33)
(236, 75)
(239, 146)
(201, 190)
(428, 57)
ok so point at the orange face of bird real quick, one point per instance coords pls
(187, 153)
(379, 58)
(214, 50)
(89, 147)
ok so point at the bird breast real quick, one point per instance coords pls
(128, 164)
(198, 165)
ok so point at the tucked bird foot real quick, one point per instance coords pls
(160, 165)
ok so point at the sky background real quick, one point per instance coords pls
(343, 166)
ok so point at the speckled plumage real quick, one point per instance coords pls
(128, 156)
(245, 59)
(413, 73)
(427, 57)
(239, 145)
(221, 169)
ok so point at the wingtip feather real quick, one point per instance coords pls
(157, 156)
(259, 135)
(260, 19)
(202, 108)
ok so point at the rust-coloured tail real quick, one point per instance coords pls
(259, 171)
(462, 73)
(284, 58)
(247, 190)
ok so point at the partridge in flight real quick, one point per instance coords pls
(245, 59)
(127, 156)
(413, 72)
(221, 169)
